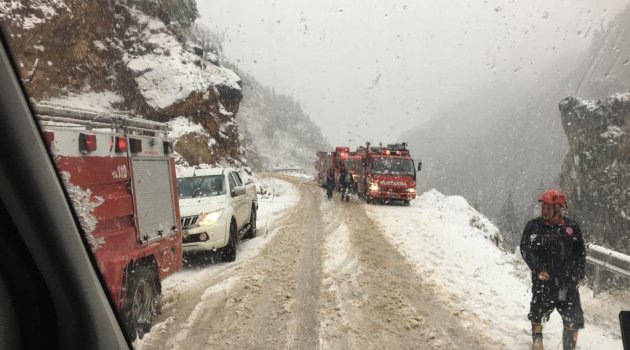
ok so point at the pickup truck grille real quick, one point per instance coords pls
(189, 221)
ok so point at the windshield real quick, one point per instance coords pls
(350, 163)
(200, 186)
(394, 166)
(467, 111)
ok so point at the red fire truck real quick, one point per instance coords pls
(120, 174)
(387, 173)
(341, 155)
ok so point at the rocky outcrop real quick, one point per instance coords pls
(596, 170)
(71, 48)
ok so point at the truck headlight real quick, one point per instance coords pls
(373, 186)
(411, 190)
(207, 219)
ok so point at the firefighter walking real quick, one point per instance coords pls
(330, 182)
(344, 182)
(553, 248)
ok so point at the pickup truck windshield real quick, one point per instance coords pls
(398, 166)
(200, 186)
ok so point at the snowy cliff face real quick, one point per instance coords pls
(596, 170)
(106, 55)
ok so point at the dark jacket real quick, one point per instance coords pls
(558, 249)
(343, 179)
(330, 176)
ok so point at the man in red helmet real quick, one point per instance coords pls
(553, 248)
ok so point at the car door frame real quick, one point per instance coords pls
(38, 205)
(242, 199)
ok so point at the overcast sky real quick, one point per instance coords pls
(370, 69)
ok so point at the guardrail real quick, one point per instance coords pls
(605, 259)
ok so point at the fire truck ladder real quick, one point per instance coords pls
(117, 121)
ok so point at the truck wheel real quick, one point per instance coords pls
(141, 301)
(369, 200)
(228, 253)
(251, 232)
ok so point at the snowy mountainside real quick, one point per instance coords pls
(507, 137)
(498, 139)
(277, 133)
(127, 59)
(455, 248)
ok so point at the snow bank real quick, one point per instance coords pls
(453, 247)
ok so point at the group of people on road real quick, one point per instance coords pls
(345, 182)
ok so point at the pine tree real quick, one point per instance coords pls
(509, 223)
(534, 208)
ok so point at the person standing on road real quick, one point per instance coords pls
(344, 181)
(330, 182)
(553, 247)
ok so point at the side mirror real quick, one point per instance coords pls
(238, 191)
(419, 165)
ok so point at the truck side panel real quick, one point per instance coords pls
(100, 184)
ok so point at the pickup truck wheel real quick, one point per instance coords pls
(141, 301)
(228, 253)
(251, 232)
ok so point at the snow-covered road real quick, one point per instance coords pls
(335, 275)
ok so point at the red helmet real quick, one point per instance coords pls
(553, 197)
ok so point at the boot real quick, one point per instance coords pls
(569, 338)
(537, 337)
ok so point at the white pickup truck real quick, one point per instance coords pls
(217, 209)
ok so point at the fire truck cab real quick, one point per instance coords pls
(387, 173)
(120, 174)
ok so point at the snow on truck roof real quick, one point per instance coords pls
(190, 172)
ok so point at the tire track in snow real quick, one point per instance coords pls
(200, 314)
(278, 313)
(340, 288)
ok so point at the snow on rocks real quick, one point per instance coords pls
(612, 132)
(452, 245)
(181, 126)
(40, 12)
(169, 73)
(94, 101)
